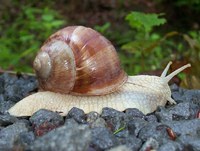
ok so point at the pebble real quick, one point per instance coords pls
(103, 139)
(135, 125)
(76, 138)
(173, 127)
(156, 131)
(132, 142)
(132, 113)
(150, 144)
(120, 148)
(9, 134)
(6, 119)
(77, 114)
(184, 127)
(190, 142)
(181, 111)
(44, 121)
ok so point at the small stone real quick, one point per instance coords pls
(103, 139)
(151, 118)
(108, 113)
(100, 122)
(184, 127)
(2, 82)
(120, 148)
(157, 131)
(132, 142)
(44, 121)
(135, 125)
(180, 111)
(71, 122)
(170, 146)
(77, 114)
(192, 96)
(6, 119)
(92, 117)
(150, 144)
(24, 140)
(64, 138)
(132, 113)
(191, 142)
(9, 134)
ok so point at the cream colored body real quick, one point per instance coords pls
(143, 92)
(132, 94)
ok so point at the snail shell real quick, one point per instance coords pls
(79, 60)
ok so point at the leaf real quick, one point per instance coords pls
(146, 22)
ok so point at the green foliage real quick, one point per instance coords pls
(25, 34)
(145, 44)
(144, 22)
(104, 28)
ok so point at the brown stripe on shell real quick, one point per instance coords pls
(98, 68)
(97, 63)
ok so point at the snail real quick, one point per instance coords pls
(78, 67)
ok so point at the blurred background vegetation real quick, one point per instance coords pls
(146, 33)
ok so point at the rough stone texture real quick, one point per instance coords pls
(170, 146)
(9, 134)
(6, 119)
(131, 142)
(169, 128)
(181, 111)
(44, 121)
(190, 142)
(103, 139)
(150, 144)
(76, 138)
(156, 131)
(185, 127)
(108, 113)
(100, 122)
(135, 125)
(120, 148)
(92, 117)
(132, 113)
(77, 114)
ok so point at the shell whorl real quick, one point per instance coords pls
(79, 61)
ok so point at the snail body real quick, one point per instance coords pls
(90, 77)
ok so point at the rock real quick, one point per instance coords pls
(135, 125)
(44, 121)
(184, 127)
(108, 113)
(71, 122)
(100, 122)
(64, 138)
(190, 142)
(150, 144)
(77, 114)
(92, 117)
(2, 82)
(151, 118)
(9, 135)
(132, 142)
(170, 146)
(181, 111)
(120, 148)
(103, 139)
(24, 140)
(6, 119)
(115, 120)
(132, 113)
(156, 131)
